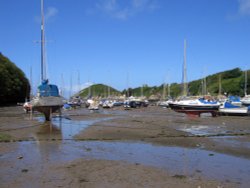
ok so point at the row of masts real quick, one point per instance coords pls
(204, 82)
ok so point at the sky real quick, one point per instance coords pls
(125, 43)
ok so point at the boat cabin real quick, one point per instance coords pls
(46, 89)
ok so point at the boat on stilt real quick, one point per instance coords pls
(48, 99)
(195, 107)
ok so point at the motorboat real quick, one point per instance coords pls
(235, 100)
(228, 109)
(164, 103)
(135, 103)
(246, 100)
(195, 106)
(93, 104)
(107, 104)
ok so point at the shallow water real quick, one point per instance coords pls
(210, 130)
(176, 160)
(203, 130)
(66, 128)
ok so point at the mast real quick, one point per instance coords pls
(169, 90)
(128, 85)
(62, 86)
(42, 42)
(204, 87)
(79, 83)
(164, 91)
(142, 90)
(219, 84)
(245, 89)
(31, 84)
(184, 74)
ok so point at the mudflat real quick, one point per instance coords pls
(145, 147)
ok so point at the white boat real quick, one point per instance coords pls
(48, 99)
(93, 105)
(107, 104)
(229, 109)
(246, 100)
(164, 103)
(195, 106)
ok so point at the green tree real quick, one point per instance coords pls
(14, 86)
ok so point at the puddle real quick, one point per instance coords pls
(211, 130)
(62, 128)
(232, 142)
(176, 160)
(203, 130)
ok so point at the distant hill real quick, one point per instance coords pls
(232, 83)
(98, 90)
(14, 86)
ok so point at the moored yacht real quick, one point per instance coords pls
(195, 106)
(48, 99)
(228, 109)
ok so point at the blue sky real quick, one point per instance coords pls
(126, 42)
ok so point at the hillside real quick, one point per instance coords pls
(14, 86)
(232, 83)
(99, 90)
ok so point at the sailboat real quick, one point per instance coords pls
(48, 99)
(193, 105)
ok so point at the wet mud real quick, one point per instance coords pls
(147, 147)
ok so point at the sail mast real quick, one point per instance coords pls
(42, 42)
(219, 84)
(184, 76)
(245, 90)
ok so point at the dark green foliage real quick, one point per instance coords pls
(14, 86)
(232, 83)
(234, 73)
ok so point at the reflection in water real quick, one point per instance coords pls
(63, 129)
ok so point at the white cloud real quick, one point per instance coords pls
(123, 10)
(50, 13)
(143, 4)
(244, 7)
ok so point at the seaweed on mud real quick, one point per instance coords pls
(4, 137)
(179, 176)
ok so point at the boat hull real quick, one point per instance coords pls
(47, 105)
(194, 109)
(246, 103)
(234, 112)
